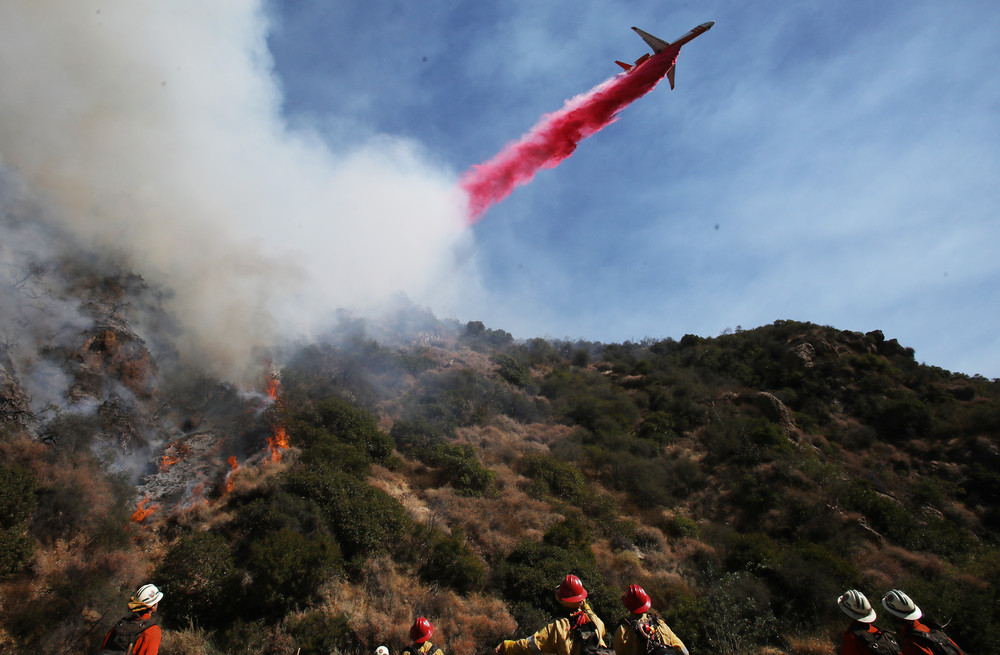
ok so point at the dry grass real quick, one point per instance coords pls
(384, 605)
(192, 641)
(810, 645)
(493, 525)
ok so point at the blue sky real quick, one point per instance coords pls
(270, 162)
(832, 162)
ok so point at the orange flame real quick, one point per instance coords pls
(179, 452)
(233, 465)
(167, 461)
(278, 441)
(142, 511)
(273, 387)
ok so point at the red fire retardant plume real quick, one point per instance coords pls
(556, 136)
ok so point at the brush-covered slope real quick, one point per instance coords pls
(744, 480)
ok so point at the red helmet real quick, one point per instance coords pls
(421, 630)
(636, 600)
(571, 590)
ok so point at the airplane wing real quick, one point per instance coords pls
(656, 44)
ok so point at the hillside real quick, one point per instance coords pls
(423, 467)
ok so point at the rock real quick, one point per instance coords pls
(776, 411)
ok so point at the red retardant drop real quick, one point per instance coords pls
(556, 135)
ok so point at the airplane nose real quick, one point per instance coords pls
(708, 25)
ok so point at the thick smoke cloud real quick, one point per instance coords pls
(155, 130)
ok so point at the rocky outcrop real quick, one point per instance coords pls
(114, 352)
(777, 412)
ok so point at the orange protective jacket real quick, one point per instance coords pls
(854, 646)
(148, 642)
(556, 638)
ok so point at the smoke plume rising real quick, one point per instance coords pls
(556, 136)
(154, 130)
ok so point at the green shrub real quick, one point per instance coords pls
(277, 510)
(512, 370)
(17, 506)
(482, 339)
(286, 569)
(365, 520)
(564, 481)
(200, 578)
(569, 534)
(682, 526)
(460, 468)
(340, 420)
(530, 574)
(658, 427)
(416, 435)
(449, 560)
(318, 633)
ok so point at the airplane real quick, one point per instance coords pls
(659, 45)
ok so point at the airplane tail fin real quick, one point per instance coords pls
(627, 67)
(670, 75)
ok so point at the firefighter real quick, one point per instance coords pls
(915, 637)
(420, 634)
(137, 633)
(566, 635)
(643, 631)
(862, 637)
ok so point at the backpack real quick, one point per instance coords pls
(877, 642)
(936, 640)
(582, 627)
(433, 650)
(126, 633)
(648, 636)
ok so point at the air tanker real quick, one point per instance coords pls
(660, 46)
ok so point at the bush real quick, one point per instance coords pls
(416, 435)
(481, 338)
(17, 505)
(364, 519)
(512, 370)
(275, 511)
(682, 526)
(460, 468)
(318, 633)
(337, 419)
(201, 580)
(564, 481)
(450, 561)
(530, 574)
(287, 568)
(658, 427)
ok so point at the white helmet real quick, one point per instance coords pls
(900, 605)
(381, 650)
(856, 605)
(148, 595)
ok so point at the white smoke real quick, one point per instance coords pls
(155, 129)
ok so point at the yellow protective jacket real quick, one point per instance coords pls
(627, 642)
(557, 638)
(426, 648)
